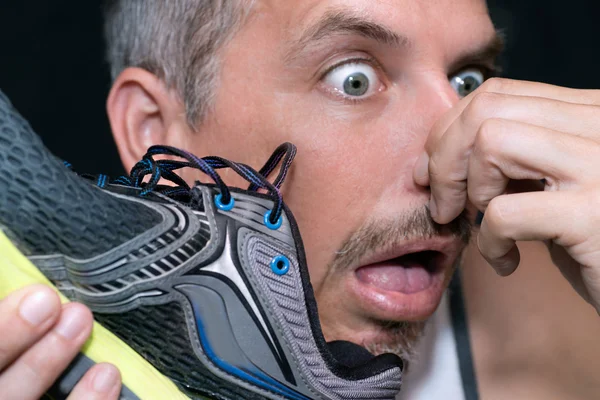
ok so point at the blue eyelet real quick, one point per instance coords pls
(280, 265)
(221, 206)
(270, 225)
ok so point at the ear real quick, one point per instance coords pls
(143, 112)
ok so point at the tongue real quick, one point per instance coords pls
(407, 277)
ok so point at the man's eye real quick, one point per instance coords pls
(465, 82)
(355, 80)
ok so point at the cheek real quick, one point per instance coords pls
(336, 181)
(347, 157)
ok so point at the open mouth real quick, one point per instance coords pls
(405, 281)
(410, 273)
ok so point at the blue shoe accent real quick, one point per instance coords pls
(101, 181)
(262, 381)
(270, 225)
(280, 265)
(221, 206)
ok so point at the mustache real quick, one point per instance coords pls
(377, 235)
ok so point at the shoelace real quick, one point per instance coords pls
(164, 169)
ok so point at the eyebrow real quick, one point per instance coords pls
(341, 22)
(488, 53)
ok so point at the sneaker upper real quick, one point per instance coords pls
(216, 296)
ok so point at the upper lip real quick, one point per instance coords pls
(447, 246)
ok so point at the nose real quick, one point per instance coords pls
(435, 97)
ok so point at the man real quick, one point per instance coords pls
(370, 92)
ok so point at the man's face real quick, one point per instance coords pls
(356, 85)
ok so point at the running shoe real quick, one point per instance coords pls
(197, 291)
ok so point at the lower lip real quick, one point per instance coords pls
(413, 304)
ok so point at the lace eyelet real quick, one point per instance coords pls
(269, 224)
(280, 265)
(221, 206)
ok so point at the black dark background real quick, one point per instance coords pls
(52, 64)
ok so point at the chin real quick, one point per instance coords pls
(380, 337)
(400, 338)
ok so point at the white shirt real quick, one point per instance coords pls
(436, 372)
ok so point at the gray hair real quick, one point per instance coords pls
(177, 40)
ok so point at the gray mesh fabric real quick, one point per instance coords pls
(48, 208)
(286, 298)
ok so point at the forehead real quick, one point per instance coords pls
(427, 23)
(407, 11)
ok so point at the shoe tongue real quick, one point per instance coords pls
(197, 197)
(349, 354)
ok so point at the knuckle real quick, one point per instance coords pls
(496, 85)
(43, 362)
(442, 174)
(32, 368)
(497, 216)
(477, 197)
(489, 137)
(592, 96)
(447, 181)
(481, 105)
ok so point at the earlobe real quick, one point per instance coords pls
(141, 110)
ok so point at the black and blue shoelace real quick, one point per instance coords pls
(159, 169)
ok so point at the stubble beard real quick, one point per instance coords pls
(397, 337)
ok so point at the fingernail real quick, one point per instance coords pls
(422, 168)
(502, 271)
(37, 307)
(503, 267)
(71, 324)
(433, 208)
(105, 378)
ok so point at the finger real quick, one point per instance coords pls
(101, 382)
(520, 88)
(526, 216)
(25, 316)
(32, 373)
(448, 165)
(566, 110)
(507, 150)
(571, 270)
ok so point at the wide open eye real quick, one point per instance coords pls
(356, 80)
(465, 82)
